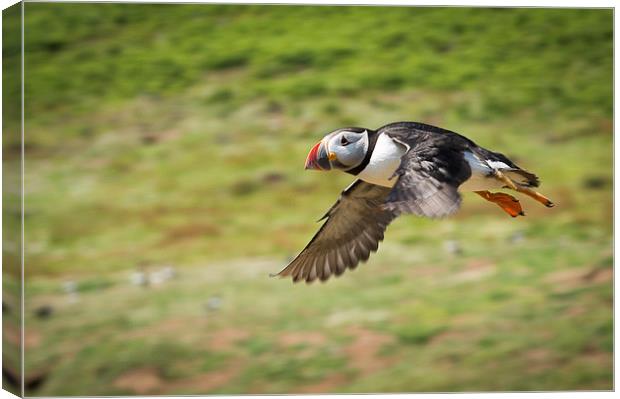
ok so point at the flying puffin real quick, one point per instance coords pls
(402, 167)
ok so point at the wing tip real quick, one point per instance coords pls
(283, 274)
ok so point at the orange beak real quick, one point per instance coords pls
(318, 158)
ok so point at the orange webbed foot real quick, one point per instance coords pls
(508, 203)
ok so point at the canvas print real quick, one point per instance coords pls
(287, 199)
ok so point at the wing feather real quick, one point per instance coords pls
(355, 224)
(430, 172)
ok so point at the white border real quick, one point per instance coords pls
(475, 3)
(433, 3)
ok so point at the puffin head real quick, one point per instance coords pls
(342, 149)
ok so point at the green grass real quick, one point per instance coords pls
(160, 134)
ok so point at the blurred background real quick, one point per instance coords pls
(164, 180)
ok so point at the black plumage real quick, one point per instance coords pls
(430, 172)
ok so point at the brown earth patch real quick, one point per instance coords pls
(597, 357)
(471, 275)
(466, 319)
(140, 381)
(12, 335)
(147, 381)
(31, 338)
(569, 279)
(539, 360)
(206, 382)
(225, 339)
(599, 275)
(363, 351)
(566, 279)
(326, 386)
(188, 231)
(576, 310)
(311, 339)
(426, 271)
(302, 337)
(476, 264)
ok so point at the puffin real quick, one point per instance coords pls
(400, 168)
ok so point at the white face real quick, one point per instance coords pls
(346, 149)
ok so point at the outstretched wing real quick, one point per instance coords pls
(354, 227)
(430, 172)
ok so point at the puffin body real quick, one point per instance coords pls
(402, 167)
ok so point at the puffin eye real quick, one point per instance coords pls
(344, 141)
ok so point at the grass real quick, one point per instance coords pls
(161, 134)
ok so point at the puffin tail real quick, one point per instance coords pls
(522, 177)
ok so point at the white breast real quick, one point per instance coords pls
(480, 171)
(383, 163)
